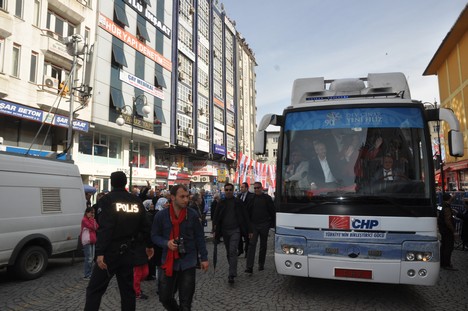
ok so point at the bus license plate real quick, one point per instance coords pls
(354, 274)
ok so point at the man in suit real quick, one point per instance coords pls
(387, 172)
(323, 171)
(245, 196)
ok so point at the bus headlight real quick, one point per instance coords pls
(292, 249)
(418, 256)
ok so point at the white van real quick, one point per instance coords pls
(42, 202)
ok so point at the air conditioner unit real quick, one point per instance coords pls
(188, 109)
(181, 76)
(190, 131)
(51, 83)
(202, 111)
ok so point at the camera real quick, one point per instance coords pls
(180, 245)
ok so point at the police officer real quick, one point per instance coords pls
(122, 219)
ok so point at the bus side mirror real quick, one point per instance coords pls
(260, 142)
(455, 143)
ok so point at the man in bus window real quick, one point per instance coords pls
(323, 171)
(297, 170)
(388, 172)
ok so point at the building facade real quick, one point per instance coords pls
(181, 61)
(450, 64)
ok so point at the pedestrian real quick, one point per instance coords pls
(141, 266)
(231, 223)
(463, 215)
(245, 196)
(150, 213)
(122, 218)
(214, 204)
(95, 205)
(447, 231)
(89, 227)
(178, 231)
(261, 212)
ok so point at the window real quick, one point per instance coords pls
(3, 4)
(37, 13)
(142, 33)
(100, 145)
(33, 68)
(15, 66)
(2, 45)
(275, 152)
(117, 98)
(103, 145)
(159, 80)
(118, 57)
(19, 8)
(140, 155)
(85, 145)
(120, 18)
(59, 25)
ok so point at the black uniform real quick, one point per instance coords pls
(122, 219)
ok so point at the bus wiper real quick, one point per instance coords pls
(311, 205)
(388, 200)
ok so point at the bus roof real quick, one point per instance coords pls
(309, 90)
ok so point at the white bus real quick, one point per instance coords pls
(355, 193)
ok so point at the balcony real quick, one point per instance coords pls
(72, 10)
(6, 24)
(55, 50)
(4, 85)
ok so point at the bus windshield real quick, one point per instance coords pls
(357, 154)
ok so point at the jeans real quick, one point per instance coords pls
(182, 281)
(88, 259)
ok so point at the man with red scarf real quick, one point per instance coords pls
(178, 231)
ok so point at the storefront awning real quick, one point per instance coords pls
(456, 166)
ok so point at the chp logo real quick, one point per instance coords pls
(346, 222)
(338, 222)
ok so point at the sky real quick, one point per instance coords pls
(341, 39)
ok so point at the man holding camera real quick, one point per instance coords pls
(178, 231)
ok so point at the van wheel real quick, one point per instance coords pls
(31, 263)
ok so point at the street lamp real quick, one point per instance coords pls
(121, 121)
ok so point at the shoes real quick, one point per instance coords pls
(249, 270)
(261, 268)
(239, 253)
(142, 296)
(86, 278)
(230, 279)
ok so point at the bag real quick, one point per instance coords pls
(85, 238)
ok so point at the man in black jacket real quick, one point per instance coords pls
(122, 218)
(261, 212)
(245, 196)
(231, 222)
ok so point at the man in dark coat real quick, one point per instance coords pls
(231, 222)
(261, 212)
(245, 196)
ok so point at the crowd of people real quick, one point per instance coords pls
(145, 234)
